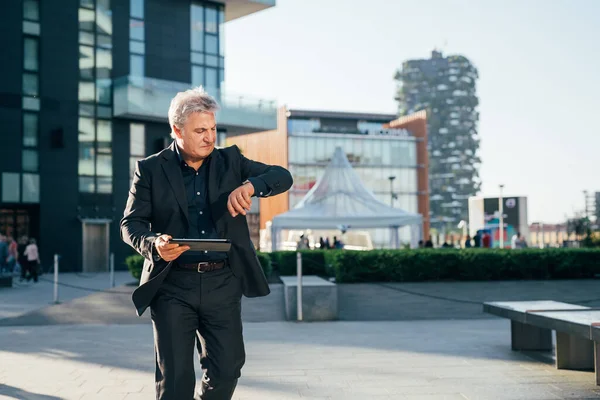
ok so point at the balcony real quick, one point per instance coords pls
(235, 9)
(148, 99)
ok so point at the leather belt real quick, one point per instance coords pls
(205, 266)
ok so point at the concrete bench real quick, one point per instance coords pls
(577, 330)
(319, 298)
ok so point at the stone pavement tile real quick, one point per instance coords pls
(114, 396)
(443, 396)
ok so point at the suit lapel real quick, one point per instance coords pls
(172, 171)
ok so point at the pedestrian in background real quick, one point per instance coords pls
(22, 258)
(33, 260)
(3, 253)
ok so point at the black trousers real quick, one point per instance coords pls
(202, 309)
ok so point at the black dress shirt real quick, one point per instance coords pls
(201, 225)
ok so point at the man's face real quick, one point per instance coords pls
(198, 135)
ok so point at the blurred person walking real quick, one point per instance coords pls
(33, 260)
(3, 253)
(22, 258)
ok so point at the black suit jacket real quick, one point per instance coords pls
(157, 205)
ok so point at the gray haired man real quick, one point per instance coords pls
(192, 190)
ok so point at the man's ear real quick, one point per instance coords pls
(177, 131)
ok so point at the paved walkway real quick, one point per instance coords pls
(468, 359)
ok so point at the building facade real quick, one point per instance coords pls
(390, 157)
(84, 94)
(446, 88)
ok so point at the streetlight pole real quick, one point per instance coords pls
(391, 178)
(501, 224)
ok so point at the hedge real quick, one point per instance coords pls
(314, 262)
(463, 265)
(135, 264)
(429, 264)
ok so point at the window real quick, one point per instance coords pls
(86, 91)
(103, 63)
(86, 62)
(197, 75)
(137, 145)
(212, 22)
(212, 61)
(136, 63)
(30, 129)
(136, 47)
(30, 56)
(87, 156)
(136, 29)
(211, 44)
(104, 17)
(86, 38)
(30, 84)
(31, 188)
(31, 10)
(212, 79)
(136, 8)
(86, 20)
(103, 92)
(30, 160)
(31, 104)
(10, 187)
(197, 27)
(31, 28)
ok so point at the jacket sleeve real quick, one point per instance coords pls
(135, 225)
(268, 180)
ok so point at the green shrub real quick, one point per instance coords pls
(313, 262)
(265, 263)
(463, 265)
(135, 264)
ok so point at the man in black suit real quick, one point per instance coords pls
(192, 190)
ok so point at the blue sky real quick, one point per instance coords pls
(538, 62)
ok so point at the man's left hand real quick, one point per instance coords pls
(240, 199)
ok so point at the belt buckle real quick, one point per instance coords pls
(200, 264)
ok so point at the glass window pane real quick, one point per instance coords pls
(30, 56)
(212, 61)
(103, 64)
(212, 79)
(103, 92)
(104, 41)
(211, 44)
(136, 29)
(104, 185)
(86, 38)
(86, 110)
(30, 160)
(86, 147)
(103, 18)
(87, 184)
(197, 58)
(30, 103)
(104, 165)
(86, 62)
(211, 20)
(197, 75)
(104, 131)
(137, 47)
(86, 91)
(136, 65)
(31, 188)
(30, 84)
(11, 187)
(221, 32)
(137, 140)
(137, 8)
(104, 112)
(86, 3)
(30, 130)
(31, 28)
(31, 10)
(86, 19)
(197, 27)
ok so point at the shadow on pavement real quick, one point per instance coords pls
(20, 394)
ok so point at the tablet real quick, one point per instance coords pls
(204, 244)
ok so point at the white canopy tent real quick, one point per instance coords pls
(340, 201)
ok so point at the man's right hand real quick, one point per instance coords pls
(168, 251)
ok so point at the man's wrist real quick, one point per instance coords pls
(247, 182)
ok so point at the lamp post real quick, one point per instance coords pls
(501, 223)
(391, 178)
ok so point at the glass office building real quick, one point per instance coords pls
(375, 153)
(84, 94)
(390, 162)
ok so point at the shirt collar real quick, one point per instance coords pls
(181, 160)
